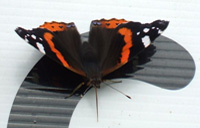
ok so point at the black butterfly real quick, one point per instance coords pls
(111, 44)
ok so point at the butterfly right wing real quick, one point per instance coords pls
(59, 41)
(119, 41)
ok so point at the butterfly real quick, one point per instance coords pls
(111, 44)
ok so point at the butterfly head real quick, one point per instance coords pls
(94, 82)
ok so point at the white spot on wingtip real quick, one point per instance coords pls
(40, 39)
(25, 38)
(153, 28)
(33, 36)
(40, 47)
(138, 33)
(159, 31)
(146, 41)
(145, 30)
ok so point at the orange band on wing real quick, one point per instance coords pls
(48, 37)
(54, 26)
(112, 23)
(128, 44)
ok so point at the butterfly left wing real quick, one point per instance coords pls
(125, 39)
(58, 40)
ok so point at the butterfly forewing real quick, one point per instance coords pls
(125, 39)
(58, 40)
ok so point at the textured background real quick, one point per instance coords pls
(151, 105)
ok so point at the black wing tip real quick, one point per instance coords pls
(163, 24)
(166, 22)
(20, 31)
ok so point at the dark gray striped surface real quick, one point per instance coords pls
(170, 67)
(41, 109)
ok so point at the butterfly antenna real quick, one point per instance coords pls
(80, 85)
(118, 91)
(97, 109)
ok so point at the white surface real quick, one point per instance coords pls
(151, 106)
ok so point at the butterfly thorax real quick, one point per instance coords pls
(93, 74)
(91, 66)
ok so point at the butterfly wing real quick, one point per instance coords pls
(58, 40)
(121, 40)
(101, 37)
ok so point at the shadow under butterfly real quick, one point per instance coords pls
(164, 64)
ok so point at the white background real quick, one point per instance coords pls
(150, 106)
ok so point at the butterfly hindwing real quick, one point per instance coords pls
(59, 41)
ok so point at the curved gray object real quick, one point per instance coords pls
(170, 67)
(41, 104)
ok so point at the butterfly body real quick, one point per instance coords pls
(111, 44)
(91, 65)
